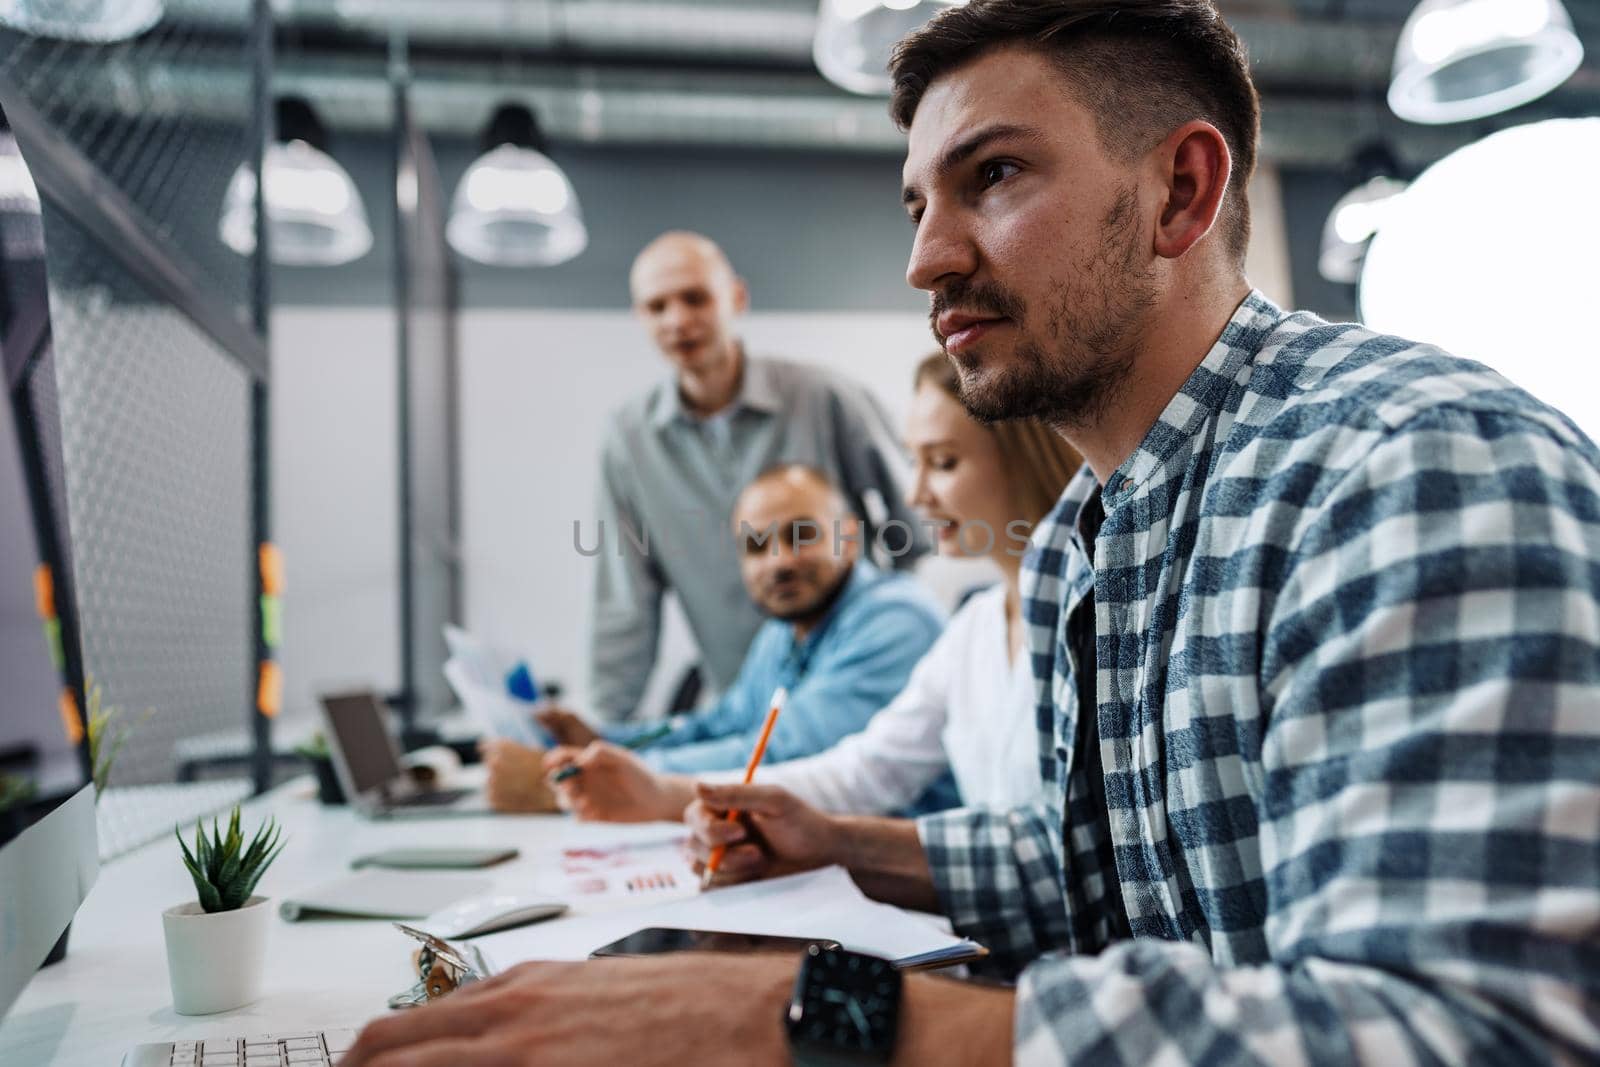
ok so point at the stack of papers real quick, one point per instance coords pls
(821, 904)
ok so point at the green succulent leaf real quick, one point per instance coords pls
(224, 870)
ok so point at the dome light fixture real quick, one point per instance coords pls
(855, 37)
(1515, 287)
(514, 207)
(314, 211)
(1465, 59)
(95, 21)
(1359, 213)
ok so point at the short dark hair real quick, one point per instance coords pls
(1143, 67)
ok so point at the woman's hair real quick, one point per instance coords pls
(1036, 460)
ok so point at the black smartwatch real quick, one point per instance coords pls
(844, 1011)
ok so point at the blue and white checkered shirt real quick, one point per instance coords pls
(1346, 632)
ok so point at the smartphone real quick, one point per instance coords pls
(436, 859)
(655, 940)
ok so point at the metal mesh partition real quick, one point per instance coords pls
(155, 362)
(175, 168)
(155, 422)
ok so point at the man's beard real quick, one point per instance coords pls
(1093, 325)
(814, 609)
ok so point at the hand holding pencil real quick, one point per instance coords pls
(776, 833)
(779, 697)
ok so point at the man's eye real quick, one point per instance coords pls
(996, 171)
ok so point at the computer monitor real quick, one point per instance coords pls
(48, 851)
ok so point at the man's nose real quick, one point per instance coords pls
(676, 316)
(943, 250)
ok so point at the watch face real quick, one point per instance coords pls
(848, 1003)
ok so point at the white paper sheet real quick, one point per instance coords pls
(494, 711)
(631, 871)
(816, 904)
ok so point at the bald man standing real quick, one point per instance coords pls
(675, 458)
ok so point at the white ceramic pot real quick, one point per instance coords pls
(215, 961)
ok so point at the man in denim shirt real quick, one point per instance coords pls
(841, 636)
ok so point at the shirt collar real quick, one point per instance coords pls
(1213, 388)
(758, 391)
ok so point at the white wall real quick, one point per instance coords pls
(335, 501)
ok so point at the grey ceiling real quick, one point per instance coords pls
(739, 72)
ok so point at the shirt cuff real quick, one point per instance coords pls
(985, 865)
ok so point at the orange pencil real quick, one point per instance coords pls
(779, 696)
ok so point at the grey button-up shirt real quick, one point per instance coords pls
(668, 482)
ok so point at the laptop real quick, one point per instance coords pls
(366, 757)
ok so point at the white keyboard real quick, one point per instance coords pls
(317, 1049)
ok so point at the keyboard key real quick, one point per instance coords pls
(307, 1056)
(229, 1045)
(339, 1040)
(294, 1044)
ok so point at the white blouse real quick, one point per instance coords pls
(966, 708)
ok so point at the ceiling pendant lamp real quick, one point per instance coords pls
(1465, 59)
(854, 38)
(514, 207)
(1359, 214)
(97, 21)
(1514, 286)
(315, 216)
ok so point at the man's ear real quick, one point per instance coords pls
(741, 296)
(1194, 163)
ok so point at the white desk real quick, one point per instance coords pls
(111, 991)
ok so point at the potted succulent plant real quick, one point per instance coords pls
(216, 945)
(314, 750)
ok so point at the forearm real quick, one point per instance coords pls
(676, 792)
(945, 1021)
(886, 859)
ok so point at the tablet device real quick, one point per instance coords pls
(654, 940)
(436, 859)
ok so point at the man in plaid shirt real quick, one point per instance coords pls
(1316, 635)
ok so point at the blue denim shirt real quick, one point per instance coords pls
(851, 665)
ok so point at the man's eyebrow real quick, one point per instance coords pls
(965, 149)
